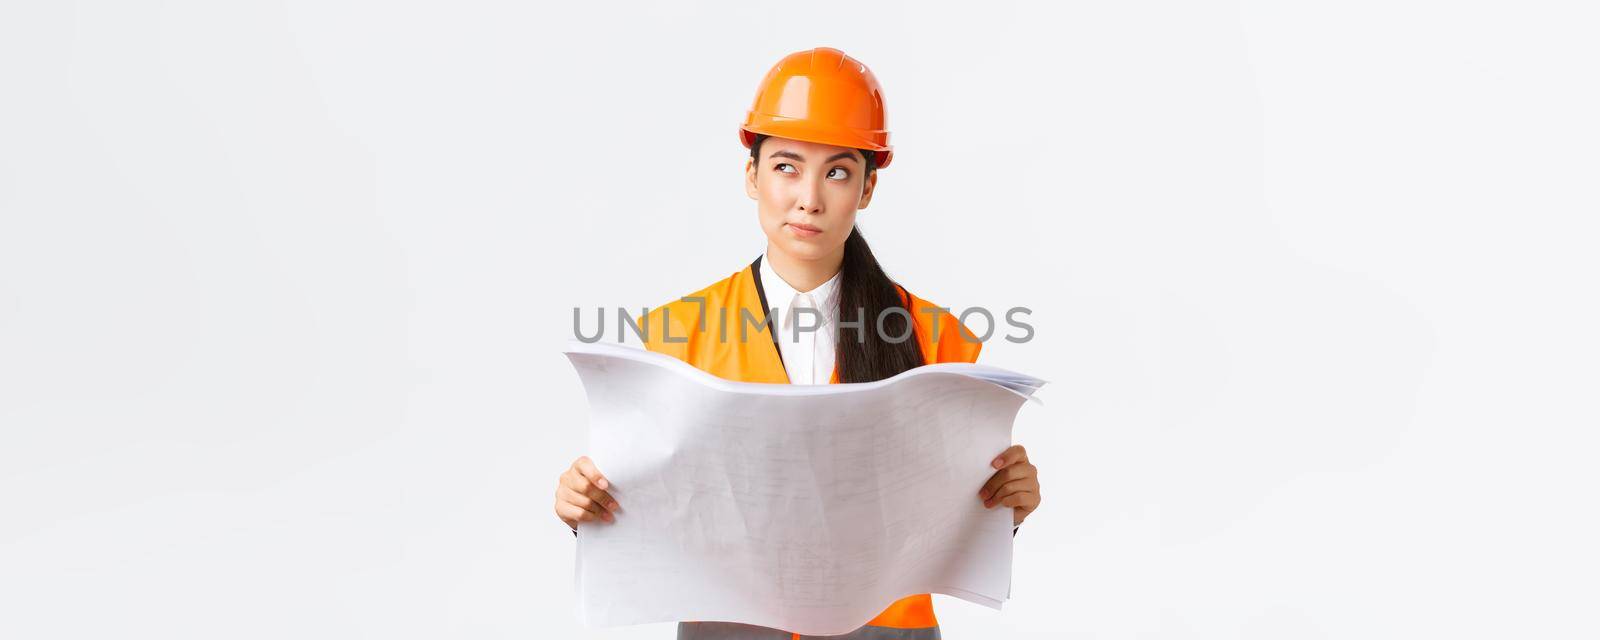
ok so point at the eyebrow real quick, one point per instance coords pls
(843, 155)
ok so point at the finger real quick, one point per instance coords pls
(1012, 455)
(586, 467)
(582, 485)
(1013, 472)
(575, 481)
(581, 501)
(603, 499)
(573, 514)
(1015, 486)
(571, 479)
(1022, 500)
(989, 486)
(588, 504)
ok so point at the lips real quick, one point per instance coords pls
(802, 230)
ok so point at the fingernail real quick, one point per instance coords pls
(613, 506)
(996, 464)
(602, 484)
(987, 504)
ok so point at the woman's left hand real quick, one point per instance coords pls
(1015, 485)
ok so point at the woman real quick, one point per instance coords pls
(815, 307)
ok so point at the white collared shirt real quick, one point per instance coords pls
(808, 354)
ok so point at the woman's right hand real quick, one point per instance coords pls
(581, 495)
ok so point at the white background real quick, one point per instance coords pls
(283, 286)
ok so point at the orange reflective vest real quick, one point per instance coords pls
(723, 330)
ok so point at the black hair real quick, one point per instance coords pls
(866, 353)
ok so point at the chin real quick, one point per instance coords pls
(814, 250)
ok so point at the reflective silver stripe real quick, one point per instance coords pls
(885, 633)
(728, 631)
(736, 631)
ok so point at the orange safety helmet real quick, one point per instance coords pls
(823, 96)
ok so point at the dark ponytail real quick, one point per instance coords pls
(865, 353)
(873, 350)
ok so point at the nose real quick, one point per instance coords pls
(809, 199)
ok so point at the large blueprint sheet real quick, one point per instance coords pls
(807, 508)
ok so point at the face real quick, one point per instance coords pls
(808, 194)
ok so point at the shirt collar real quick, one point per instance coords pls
(780, 294)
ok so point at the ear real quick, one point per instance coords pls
(866, 190)
(750, 179)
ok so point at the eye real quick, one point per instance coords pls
(838, 173)
(784, 167)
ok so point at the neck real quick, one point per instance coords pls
(804, 274)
